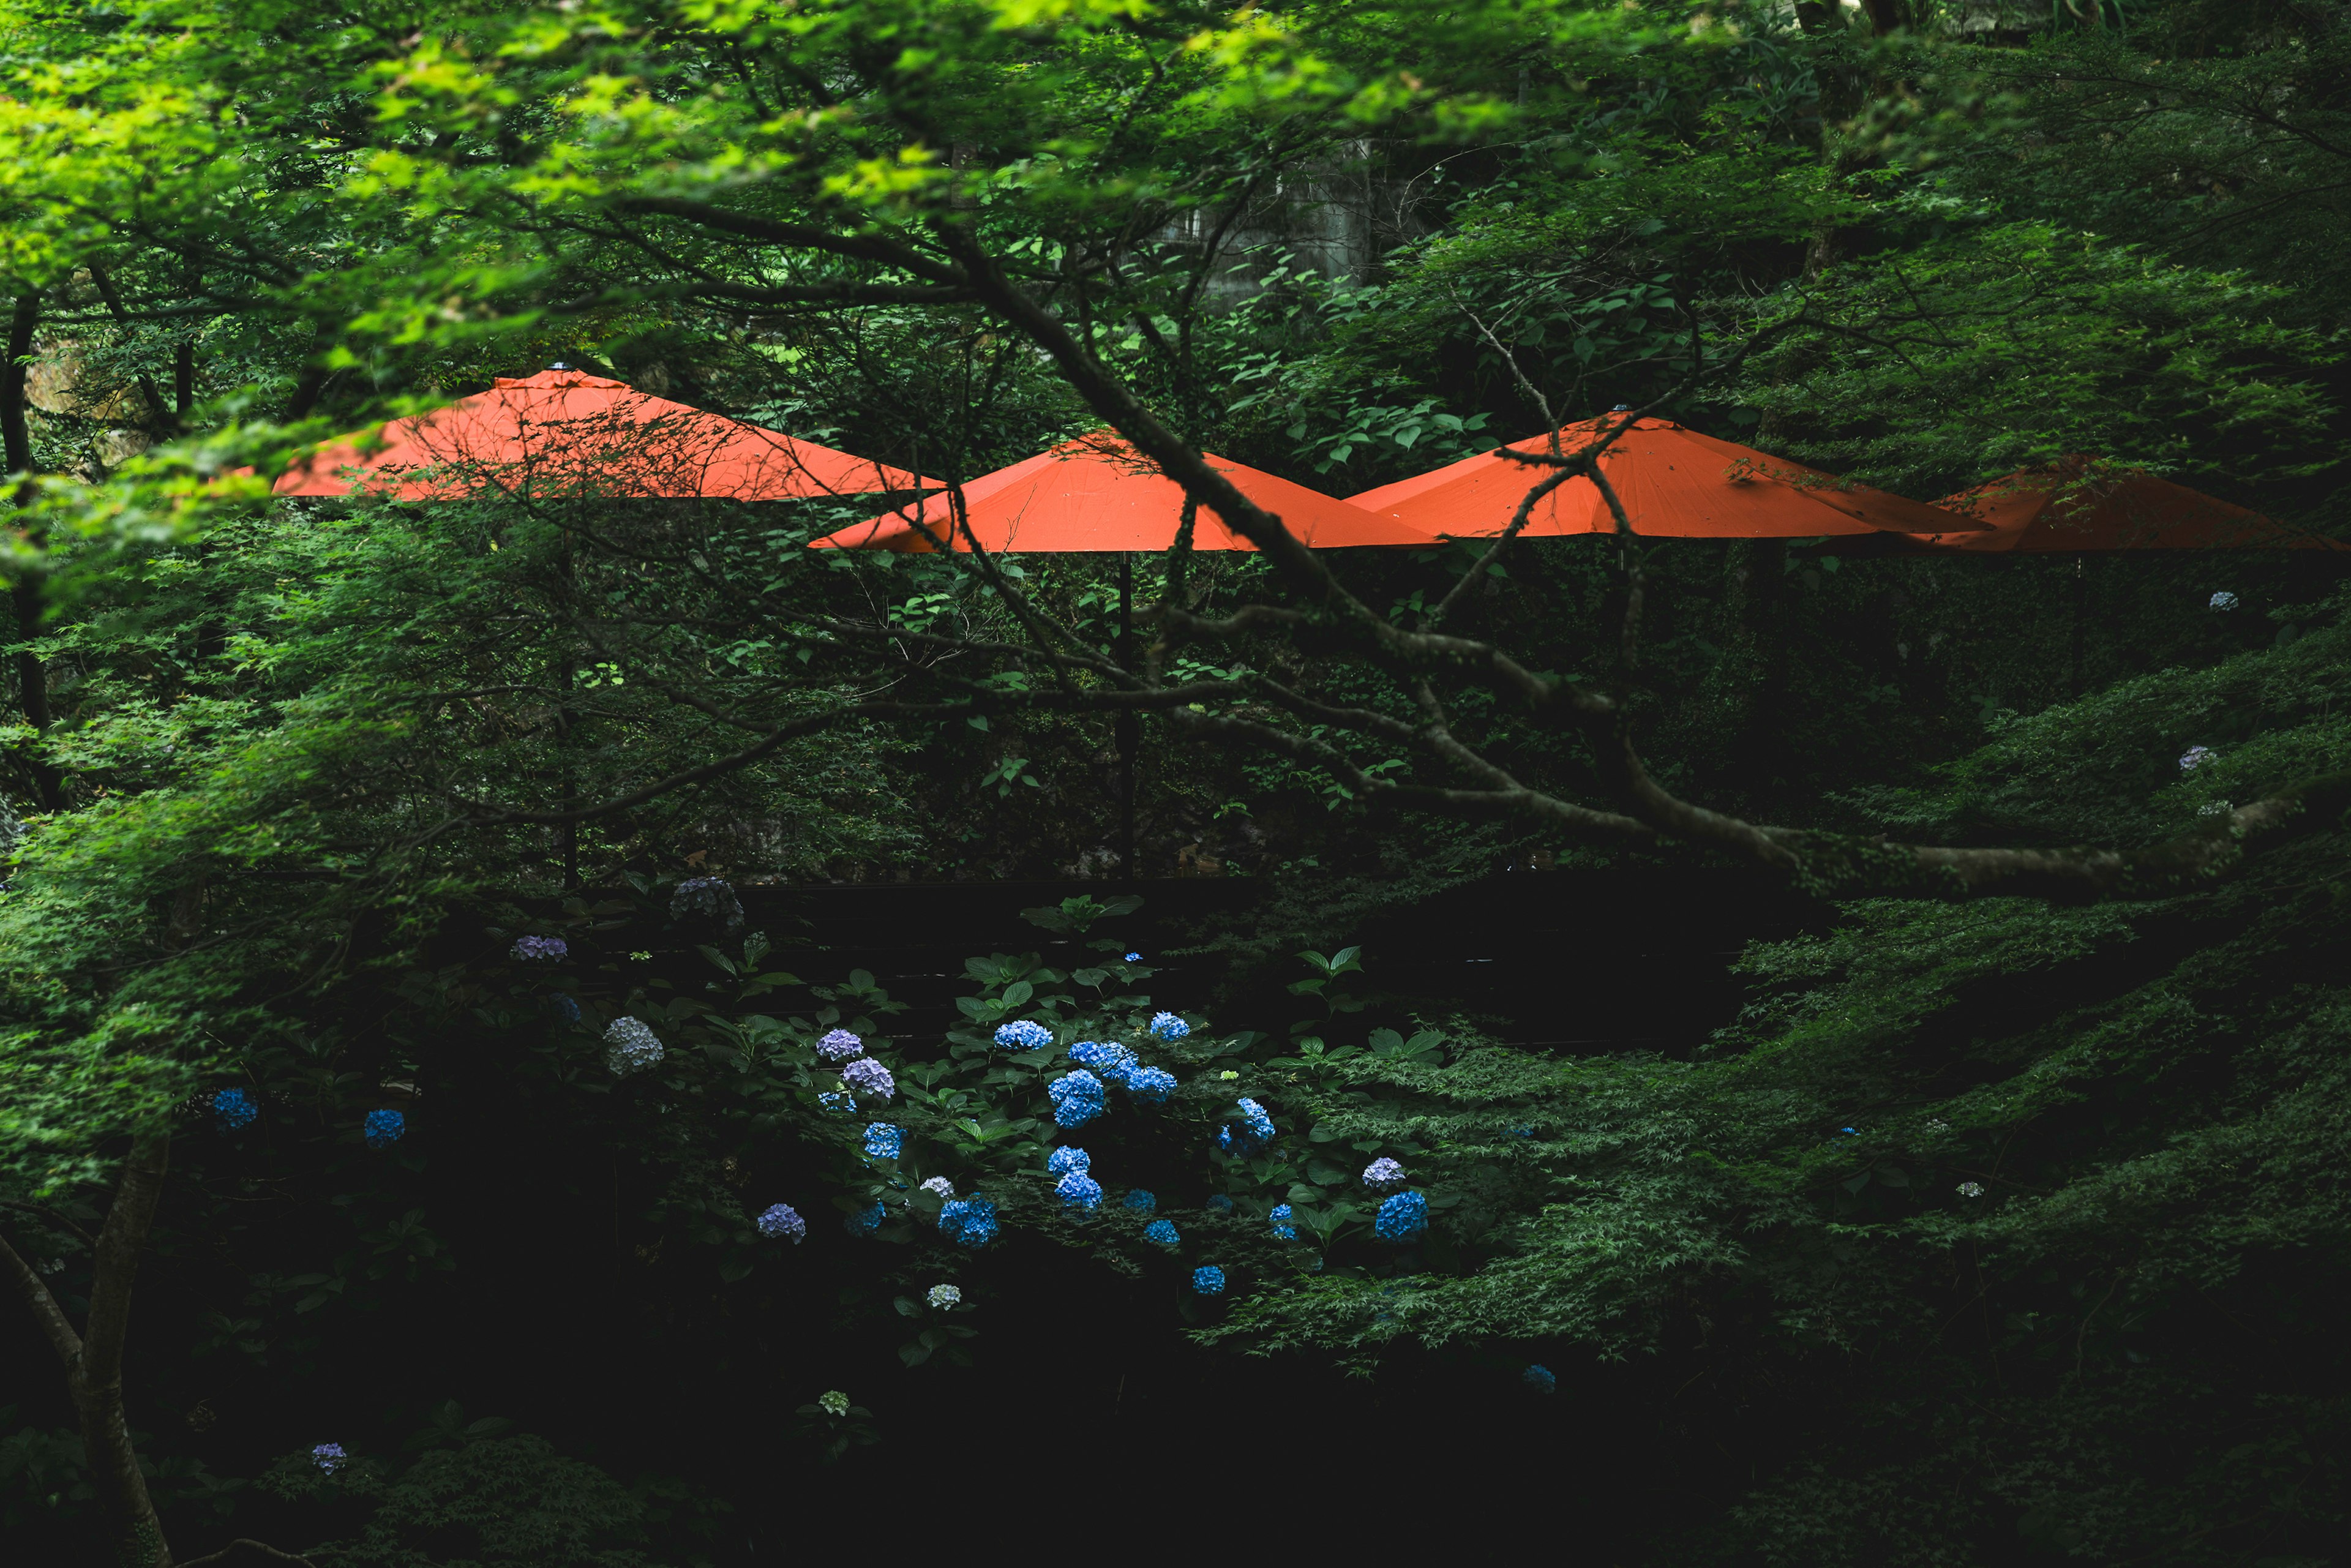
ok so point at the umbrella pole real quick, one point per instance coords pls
(1127, 728)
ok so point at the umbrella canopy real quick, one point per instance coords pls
(1097, 494)
(1673, 482)
(581, 433)
(2083, 504)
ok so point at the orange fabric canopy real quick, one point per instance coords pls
(1097, 493)
(2083, 504)
(579, 433)
(1673, 482)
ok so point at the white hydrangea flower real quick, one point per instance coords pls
(941, 1186)
(1972, 1189)
(944, 1296)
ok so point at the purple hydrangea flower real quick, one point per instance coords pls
(1167, 1026)
(384, 1128)
(630, 1046)
(1382, 1172)
(870, 1079)
(1161, 1232)
(1067, 1158)
(1077, 1098)
(1079, 1190)
(233, 1108)
(1025, 1034)
(1142, 1201)
(1151, 1084)
(329, 1457)
(969, 1221)
(539, 949)
(782, 1221)
(1208, 1281)
(2195, 757)
(883, 1141)
(840, 1045)
(1404, 1217)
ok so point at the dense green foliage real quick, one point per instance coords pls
(1988, 1230)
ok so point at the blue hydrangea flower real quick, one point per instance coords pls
(783, 1222)
(969, 1221)
(1113, 1063)
(1538, 1377)
(540, 949)
(840, 1045)
(1280, 1219)
(1167, 1026)
(1079, 1190)
(1382, 1172)
(1403, 1218)
(1026, 1034)
(564, 1006)
(1077, 1098)
(870, 1079)
(1208, 1281)
(328, 1457)
(1152, 1084)
(384, 1127)
(1161, 1232)
(1140, 1201)
(1067, 1158)
(1256, 1131)
(630, 1046)
(1134, 957)
(837, 1101)
(1219, 1203)
(883, 1141)
(866, 1221)
(233, 1108)
(707, 895)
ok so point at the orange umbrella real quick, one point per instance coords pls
(1673, 482)
(1097, 493)
(584, 433)
(2083, 504)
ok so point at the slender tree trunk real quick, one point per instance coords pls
(25, 593)
(93, 1358)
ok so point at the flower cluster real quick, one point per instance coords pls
(969, 1221)
(1134, 957)
(707, 895)
(941, 1186)
(1401, 1217)
(543, 949)
(1077, 1098)
(1114, 1062)
(1079, 1190)
(1219, 1204)
(1256, 1131)
(1280, 1219)
(233, 1108)
(1140, 1201)
(883, 1141)
(384, 1127)
(870, 1079)
(630, 1046)
(1382, 1172)
(2224, 599)
(564, 1006)
(1972, 1189)
(837, 1101)
(1538, 1377)
(1161, 1231)
(944, 1296)
(782, 1220)
(833, 1403)
(1067, 1158)
(329, 1457)
(866, 1221)
(840, 1045)
(1167, 1026)
(1025, 1034)
(1208, 1281)
(2195, 757)
(1151, 1084)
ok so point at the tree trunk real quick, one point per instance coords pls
(25, 594)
